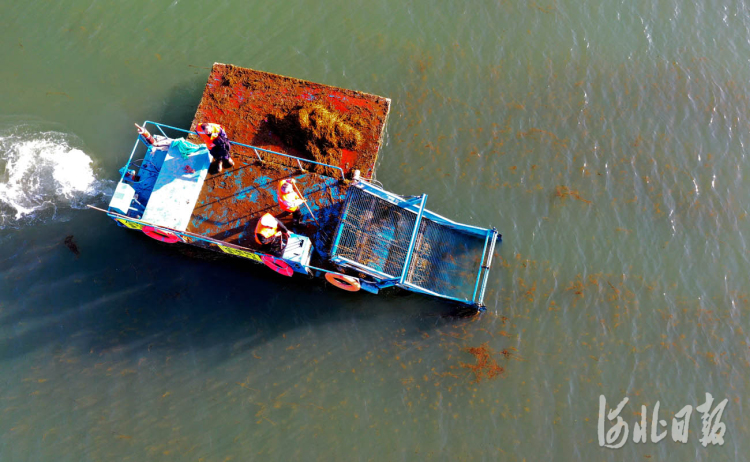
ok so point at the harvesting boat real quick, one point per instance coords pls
(349, 230)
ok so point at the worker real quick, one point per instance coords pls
(289, 200)
(218, 145)
(271, 234)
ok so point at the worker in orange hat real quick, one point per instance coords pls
(218, 145)
(289, 200)
(271, 234)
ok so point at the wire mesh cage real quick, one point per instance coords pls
(376, 234)
(445, 260)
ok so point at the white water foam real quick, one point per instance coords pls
(41, 174)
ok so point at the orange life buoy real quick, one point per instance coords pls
(161, 235)
(343, 281)
(278, 265)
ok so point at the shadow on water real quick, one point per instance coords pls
(126, 294)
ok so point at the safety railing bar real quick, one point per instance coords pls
(182, 233)
(253, 147)
(290, 157)
(340, 227)
(372, 181)
(489, 265)
(411, 267)
(130, 159)
(162, 131)
(413, 239)
(408, 205)
(157, 124)
(461, 226)
(481, 264)
(257, 154)
(429, 292)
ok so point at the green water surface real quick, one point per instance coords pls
(605, 141)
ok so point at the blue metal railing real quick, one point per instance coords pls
(480, 299)
(481, 265)
(413, 240)
(182, 234)
(254, 148)
(160, 127)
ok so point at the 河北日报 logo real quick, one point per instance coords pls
(712, 429)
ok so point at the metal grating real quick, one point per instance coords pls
(375, 233)
(445, 260)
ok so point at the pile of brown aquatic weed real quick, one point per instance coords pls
(319, 131)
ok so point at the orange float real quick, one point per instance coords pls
(343, 282)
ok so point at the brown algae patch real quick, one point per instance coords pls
(486, 366)
(563, 192)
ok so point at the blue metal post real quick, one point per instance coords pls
(339, 230)
(479, 273)
(489, 264)
(407, 262)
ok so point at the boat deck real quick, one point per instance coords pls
(231, 202)
(261, 109)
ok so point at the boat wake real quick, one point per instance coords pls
(42, 175)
